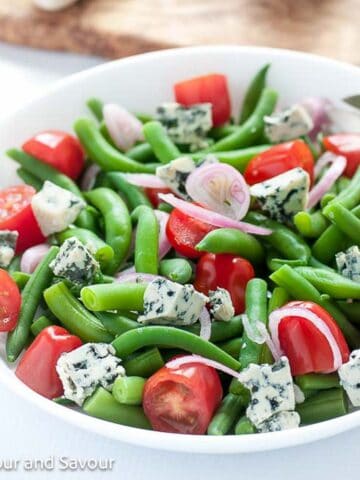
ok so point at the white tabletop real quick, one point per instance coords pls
(27, 433)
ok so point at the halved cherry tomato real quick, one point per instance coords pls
(305, 346)
(37, 368)
(348, 145)
(10, 302)
(280, 159)
(184, 233)
(153, 195)
(226, 271)
(182, 400)
(59, 149)
(16, 214)
(212, 89)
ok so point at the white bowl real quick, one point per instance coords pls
(141, 83)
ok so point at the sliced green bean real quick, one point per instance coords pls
(278, 299)
(220, 331)
(163, 147)
(39, 324)
(253, 93)
(313, 262)
(310, 225)
(133, 196)
(176, 269)
(225, 416)
(346, 221)
(129, 390)
(145, 363)
(273, 261)
(146, 240)
(31, 296)
(351, 310)
(317, 381)
(29, 178)
(238, 159)
(114, 296)
(350, 196)
(323, 406)
(232, 347)
(116, 324)
(342, 183)
(144, 117)
(142, 153)
(165, 207)
(20, 278)
(244, 427)
(95, 105)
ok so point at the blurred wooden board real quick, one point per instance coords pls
(117, 28)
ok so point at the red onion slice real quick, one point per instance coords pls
(276, 316)
(318, 109)
(164, 244)
(124, 128)
(205, 324)
(178, 362)
(89, 177)
(262, 336)
(210, 217)
(220, 188)
(32, 257)
(135, 277)
(338, 165)
(144, 180)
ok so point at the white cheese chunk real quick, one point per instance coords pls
(8, 240)
(82, 370)
(288, 125)
(186, 125)
(221, 306)
(284, 195)
(280, 421)
(349, 374)
(271, 389)
(169, 303)
(74, 262)
(348, 263)
(55, 208)
(175, 173)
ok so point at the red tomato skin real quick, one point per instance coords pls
(306, 347)
(348, 145)
(279, 159)
(153, 195)
(185, 232)
(58, 149)
(212, 89)
(226, 271)
(10, 302)
(16, 214)
(182, 400)
(37, 368)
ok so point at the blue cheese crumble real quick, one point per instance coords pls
(8, 240)
(75, 263)
(82, 370)
(284, 195)
(349, 374)
(271, 389)
(169, 303)
(186, 125)
(221, 306)
(279, 422)
(55, 208)
(348, 263)
(288, 125)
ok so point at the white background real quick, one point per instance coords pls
(27, 433)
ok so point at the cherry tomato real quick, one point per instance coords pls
(153, 195)
(280, 159)
(10, 302)
(348, 145)
(305, 346)
(185, 232)
(37, 368)
(182, 400)
(16, 214)
(226, 271)
(59, 149)
(212, 89)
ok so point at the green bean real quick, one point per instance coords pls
(342, 183)
(117, 223)
(144, 117)
(142, 153)
(323, 406)
(346, 221)
(133, 340)
(103, 405)
(102, 153)
(331, 283)
(351, 310)
(31, 296)
(313, 262)
(301, 289)
(64, 401)
(176, 269)
(165, 207)
(244, 427)
(88, 219)
(114, 296)
(103, 252)
(229, 240)
(74, 316)
(278, 299)
(163, 147)
(290, 245)
(116, 324)
(146, 240)
(274, 263)
(106, 134)
(96, 108)
(310, 225)
(29, 178)
(128, 390)
(247, 134)
(20, 278)
(238, 159)
(317, 381)
(145, 363)
(232, 347)
(225, 416)
(350, 196)
(39, 324)
(217, 133)
(253, 93)
(220, 331)
(134, 196)
(14, 264)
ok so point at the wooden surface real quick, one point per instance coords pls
(116, 28)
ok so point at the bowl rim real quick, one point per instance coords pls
(168, 441)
